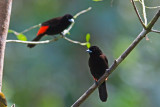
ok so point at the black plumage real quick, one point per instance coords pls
(98, 64)
(53, 26)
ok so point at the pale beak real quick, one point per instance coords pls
(89, 51)
(71, 20)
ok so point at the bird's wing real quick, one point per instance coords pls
(104, 58)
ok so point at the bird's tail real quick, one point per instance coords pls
(103, 92)
(35, 39)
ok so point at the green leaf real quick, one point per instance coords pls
(10, 31)
(88, 37)
(21, 37)
(88, 45)
(97, 0)
(69, 33)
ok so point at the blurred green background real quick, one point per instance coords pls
(57, 74)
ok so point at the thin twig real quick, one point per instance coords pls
(31, 28)
(32, 42)
(144, 16)
(155, 7)
(117, 62)
(75, 42)
(155, 31)
(139, 17)
(144, 13)
(84, 11)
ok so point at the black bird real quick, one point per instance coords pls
(98, 64)
(53, 26)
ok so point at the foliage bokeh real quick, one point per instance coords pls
(56, 74)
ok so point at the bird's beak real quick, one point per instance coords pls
(71, 20)
(89, 51)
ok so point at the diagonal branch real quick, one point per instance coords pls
(81, 12)
(118, 61)
(139, 17)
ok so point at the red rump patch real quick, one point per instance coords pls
(42, 30)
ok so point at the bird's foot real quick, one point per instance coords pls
(55, 38)
(96, 82)
(62, 34)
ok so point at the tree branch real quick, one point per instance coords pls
(144, 13)
(155, 31)
(26, 30)
(118, 61)
(82, 12)
(5, 12)
(139, 17)
(153, 21)
(155, 7)
(76, 42)
(47, 41)
(32, 42)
